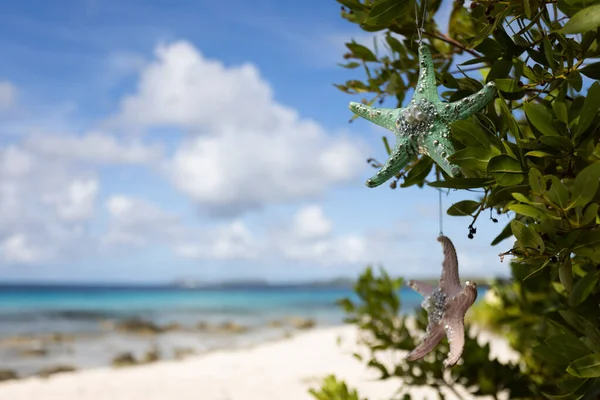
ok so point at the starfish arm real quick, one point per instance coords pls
(425, 289)
(402, 154)
(455, 331)
(435, 333)
(426, 85)
(468, 106)
(385, 117)
(454, 321)
(438, 146)
(449, 282)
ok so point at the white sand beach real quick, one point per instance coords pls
(282, 370)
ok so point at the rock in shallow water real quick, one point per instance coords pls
(143, 327)
(302, 323)
(58, 369)
(124, 360)
(7, 374)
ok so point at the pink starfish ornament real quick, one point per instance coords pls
(446, 307)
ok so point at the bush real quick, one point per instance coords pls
(533, 153)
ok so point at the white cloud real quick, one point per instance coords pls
(45, 205)
(15, 162)
(182, 88)
(230, 174)
(342, 250)
(136, 221)
(227, 242)
(247, 149)
(95, 148)
(310, 222)
(8, 95)
(17, 249)
(77, 202)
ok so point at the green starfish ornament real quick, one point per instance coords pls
(423, 127)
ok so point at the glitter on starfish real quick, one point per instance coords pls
(446, 307)
(423, 127)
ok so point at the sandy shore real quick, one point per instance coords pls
(282, 370)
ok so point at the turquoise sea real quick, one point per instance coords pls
(43, 326)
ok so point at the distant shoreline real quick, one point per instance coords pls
(341, 284)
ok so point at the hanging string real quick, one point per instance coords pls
(417, 23)
(422, 24)
(440, 208)
(441, 213)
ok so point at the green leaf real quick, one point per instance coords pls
(571, 7)
(572, 319)
(467, 131)
(463, 208)
(350, 65)
(567, 345)
(541, 118)
(586, 243)
(527, 8)
(361, 51)
(508, 85)
(558, 192)
(522, 198)
(500, 69)
(505, 170)
(585, 20)
(560, 110)
(418, 172)
(536, 182)
(591, 70)
(527, 237)
(585, 185)
(544, 352)
(570, 383)
(513, 126)
(472, 157)
(589, 215)
(538, 270)
(574, 79)
(557, 142)
(386, 11)
(528, 211)
(386, 143)
(548, 52)
(394, 44)
(583, 288)
(590, 108)
(585, 367)
(565, 274)
(538, 154)
(352, 4)
(505, 234)
(490, 48)
(462, 183)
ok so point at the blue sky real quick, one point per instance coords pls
(145, 141)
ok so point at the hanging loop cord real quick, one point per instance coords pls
(422, 24)
(441, 213)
